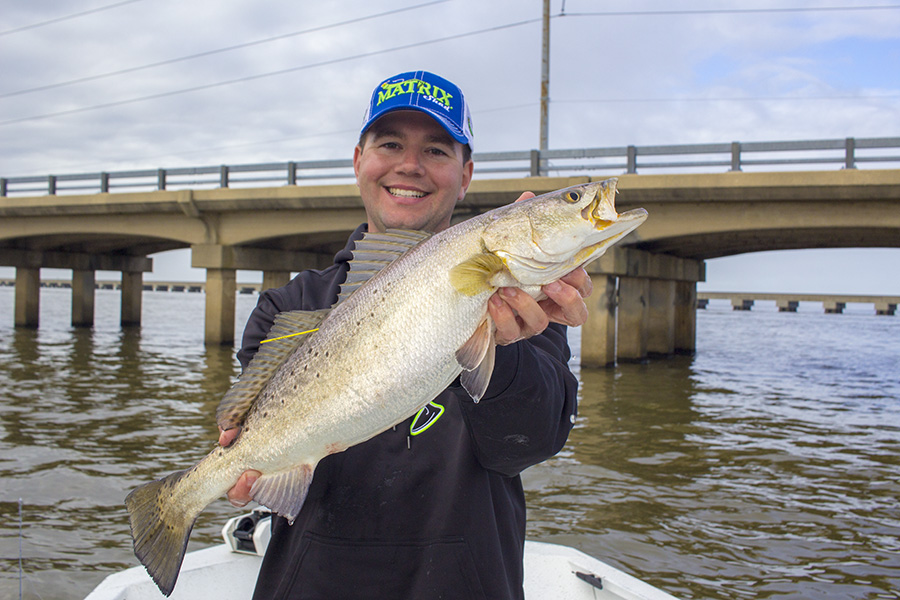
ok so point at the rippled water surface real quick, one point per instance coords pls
(765, 466)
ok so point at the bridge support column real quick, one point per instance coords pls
(598, 334)
(221, 287)
(28, 296)
(633, 319)
(741, 304)
(834, 308)
(83, 284)
(221, 263)
(686, 317)
(274, 279)
(881, 308)
(787, 305)
(661, 317)
(132, 295)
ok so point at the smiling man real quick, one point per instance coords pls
(433, 508)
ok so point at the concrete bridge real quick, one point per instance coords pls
(645, 290)
(832, 303)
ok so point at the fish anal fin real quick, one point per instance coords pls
(284, 492)
(473, 276)
(476, 357)
(278, 345)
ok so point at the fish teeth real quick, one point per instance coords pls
(406, 193)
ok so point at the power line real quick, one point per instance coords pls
(268, 74)
(215, 51)
(67, 17)
(724, 99)
(724, 11)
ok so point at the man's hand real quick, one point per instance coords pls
(239, 495)
(518, 316)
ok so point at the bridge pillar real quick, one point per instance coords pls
(633, 325)
(881, 308)
(83, 284)
(661, 317)
(598, 334)
(221, 287)
(741, 304)
(834, 308)
(686, 316)
(28, 296)
(274, 279)
(787, 305)
(132, 293)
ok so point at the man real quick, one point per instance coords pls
(434, 507)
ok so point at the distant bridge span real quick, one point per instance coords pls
(650, 280)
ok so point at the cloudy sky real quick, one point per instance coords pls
(91, 85)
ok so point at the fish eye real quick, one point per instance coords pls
(573, 197)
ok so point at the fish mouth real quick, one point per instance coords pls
(601, 212)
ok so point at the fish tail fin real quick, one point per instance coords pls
(160, 530)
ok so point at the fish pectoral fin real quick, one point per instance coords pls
(473, 276)
(283, 338)
(476, 357)
(284, 492)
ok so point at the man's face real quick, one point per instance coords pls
(410, 173)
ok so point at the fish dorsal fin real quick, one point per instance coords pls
(374, 252)
(283, 338)
(476, 357)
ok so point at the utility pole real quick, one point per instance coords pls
(545, 79)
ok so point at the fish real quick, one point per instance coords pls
(411, 317)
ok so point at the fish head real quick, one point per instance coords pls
(541, 239)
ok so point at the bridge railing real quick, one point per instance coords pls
(849, 153)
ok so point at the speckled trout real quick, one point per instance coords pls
(412, 316)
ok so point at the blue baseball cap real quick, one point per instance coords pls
(425, 92)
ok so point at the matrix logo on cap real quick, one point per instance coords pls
(426, 92)
(390, 89)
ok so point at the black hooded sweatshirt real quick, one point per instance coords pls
(439, 514)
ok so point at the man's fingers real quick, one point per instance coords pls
(227, 436)
(530, 319)
(565, 305)
(580, 280)
(239, 495)
(506, 325)
(525, 196)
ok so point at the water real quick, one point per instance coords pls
(766, 466)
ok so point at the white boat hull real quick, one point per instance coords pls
(221, 573)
